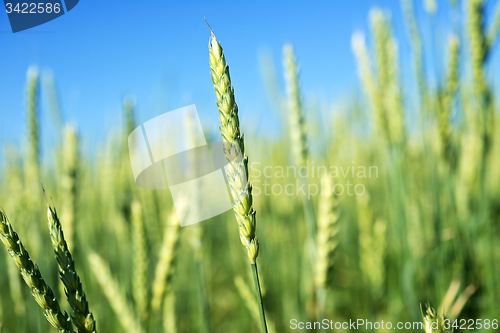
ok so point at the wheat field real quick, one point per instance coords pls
(413, 218)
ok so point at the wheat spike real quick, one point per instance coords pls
(328, 217)
(296, 114)
(448, 96)
(237, 171)
(416, 44)
(387, 71)
(230, 129)
(39, 289)
(477, 42)
(82, 317)
(368, 81)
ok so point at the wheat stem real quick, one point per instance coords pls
(165, 266)
(259, 298)
(39, 289)
(140, 281)
(32, 110)
(69, 183)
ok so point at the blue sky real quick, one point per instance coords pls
(157, 51)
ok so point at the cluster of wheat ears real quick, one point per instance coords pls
(425, 228)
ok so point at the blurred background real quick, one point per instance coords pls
(408, 87)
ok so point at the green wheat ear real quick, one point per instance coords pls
(237, 172)
(298, 135)
(39, 289)
(328, 229)
(230, 129)
(82, 317)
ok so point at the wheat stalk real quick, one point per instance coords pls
(82, 317)
(140, 281)
(169, 323)
(165, 265)
(39, 289)
(114, 294)
(237, 171)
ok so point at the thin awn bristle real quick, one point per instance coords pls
(41, 292)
